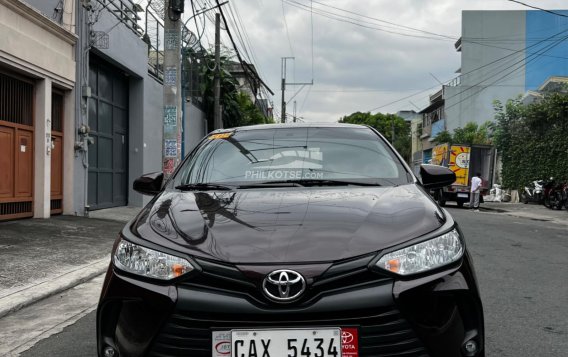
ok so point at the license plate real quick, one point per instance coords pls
(463, 195)
(317, 342)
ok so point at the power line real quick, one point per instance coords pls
(523, 63)
(287, 32)
(243, 63)
(538, 8)
(356, 22)
(385, 21)
(469, 72)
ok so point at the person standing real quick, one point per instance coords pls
(475, 192)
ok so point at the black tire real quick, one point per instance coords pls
(558, 203)
(546, 201)
(524, 198)
(460, 204)
(440, 198)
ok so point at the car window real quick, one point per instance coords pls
(293, 154)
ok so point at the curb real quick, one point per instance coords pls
(45, 289)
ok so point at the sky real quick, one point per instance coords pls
(353, 67)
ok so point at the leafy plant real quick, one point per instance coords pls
(532, 139)
(470, 134)
(385, 123)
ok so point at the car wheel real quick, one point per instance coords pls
(460, 204)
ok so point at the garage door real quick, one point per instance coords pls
(16, 147)
(108, 120)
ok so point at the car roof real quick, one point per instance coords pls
(291, 125)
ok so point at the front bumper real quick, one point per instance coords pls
(433, 315)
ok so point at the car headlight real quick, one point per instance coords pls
(149, 263)
(424, 256)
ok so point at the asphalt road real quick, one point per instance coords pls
(522, 267)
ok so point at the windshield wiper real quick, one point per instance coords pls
(310, 182)
(203, 187)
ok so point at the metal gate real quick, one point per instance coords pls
(108, 120)
(16, 147)
(56, 203)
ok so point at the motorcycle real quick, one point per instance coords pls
(564, 195)
(552, 194)
(533, 192)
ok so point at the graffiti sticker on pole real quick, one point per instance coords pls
(170, 76)
(169, 166)
(171, 39)
(170, 121)
(170, 148)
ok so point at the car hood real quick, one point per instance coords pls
(287, 225)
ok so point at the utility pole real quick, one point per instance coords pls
(217, 121)
(294, 111)
(284, 84)
(171, 142)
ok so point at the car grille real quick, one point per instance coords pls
(382, 330)
(381, 333)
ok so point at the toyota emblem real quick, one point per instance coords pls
(283, 285)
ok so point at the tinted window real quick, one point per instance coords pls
(355, 154)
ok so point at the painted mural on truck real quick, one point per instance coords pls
(459, 163)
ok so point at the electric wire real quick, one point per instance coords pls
(358, 22)
(538, 8)
(471, 71)
(523, 63)
(286, 26)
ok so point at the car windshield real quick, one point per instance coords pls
(341, 155)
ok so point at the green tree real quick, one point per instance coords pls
(470, 134)
(238, 108)
(532, 139)
(385, 123)
(249, 113)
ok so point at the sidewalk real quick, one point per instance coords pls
(530, 211)
(42, 257)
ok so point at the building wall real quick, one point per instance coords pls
(195, 126)
(489, 36)
(482, 33)
(127, 53)
(39, 49)
(541, 25)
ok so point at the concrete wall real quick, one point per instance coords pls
(503, 56)
(195, 127)
(40, 49)
(483, 32)
(128, 53)
(48, 8)
(541, 25)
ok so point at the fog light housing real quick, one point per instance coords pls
(470, 347)
(109, 352)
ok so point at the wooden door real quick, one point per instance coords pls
(16, 147)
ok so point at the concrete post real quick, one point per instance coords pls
(42, 149)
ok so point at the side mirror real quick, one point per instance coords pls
(149, 184)
(434, 176)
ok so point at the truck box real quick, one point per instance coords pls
(464, 161)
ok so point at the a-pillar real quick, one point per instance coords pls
(42, 149)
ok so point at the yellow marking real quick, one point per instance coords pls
(220, 136)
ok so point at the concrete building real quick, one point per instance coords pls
(37, 89)
(81, 109)
(504, 54)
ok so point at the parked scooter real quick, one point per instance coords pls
(565, 195)
(552, 194)
(533, 192)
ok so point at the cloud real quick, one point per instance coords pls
(355, 68)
